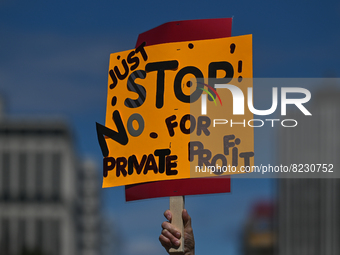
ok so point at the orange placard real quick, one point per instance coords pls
(154, 93)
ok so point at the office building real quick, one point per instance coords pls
(309, 208)
(49, 198)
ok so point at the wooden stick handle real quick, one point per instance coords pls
(176, 208)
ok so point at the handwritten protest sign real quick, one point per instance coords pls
(154, 110)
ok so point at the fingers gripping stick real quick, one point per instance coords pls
(176, 208)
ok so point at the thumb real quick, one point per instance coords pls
(186, 218)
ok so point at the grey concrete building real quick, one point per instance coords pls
(49, 199)
(309, 208)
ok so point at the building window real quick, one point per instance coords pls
(6, 168)
(22, 235)
(56, 175)
(39, 234)
(39, 170)
(56, 236)
(5, 240)
(22, 175)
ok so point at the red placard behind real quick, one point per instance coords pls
(178, 31)
(187, 30)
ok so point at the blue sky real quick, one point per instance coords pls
(54, 60)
